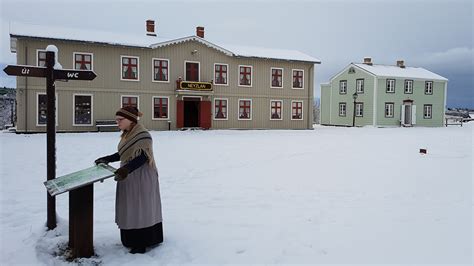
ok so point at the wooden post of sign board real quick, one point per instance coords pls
(81, 212)
(50, 136)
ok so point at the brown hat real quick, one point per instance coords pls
(131, 113)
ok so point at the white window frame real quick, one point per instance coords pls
(153, 108)
(408, 82)
(37, 107)
(302, 79)
(74, 109)
(153, 70)
(238, 109)
(282, 79)
(37, 56)
(360, 90)
(251, 77)
(345, 109)
(302, 110)
(82, 53)
(136, 96)
(281, 110)
(390, 110)
(359, 109)
(345, 86)
(390, 81)
(199, 70)
(425, 111)
(214, 109)
(430, 91)
(214, 74)
(138, 67)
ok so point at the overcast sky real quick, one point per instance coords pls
(436, 35)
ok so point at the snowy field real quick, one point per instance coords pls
(323, 196)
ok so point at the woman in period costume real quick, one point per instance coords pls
(138, 203)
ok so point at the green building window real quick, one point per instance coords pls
(342, 109)
(343, 87)
(390, 86)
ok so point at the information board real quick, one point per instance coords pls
(78, 179)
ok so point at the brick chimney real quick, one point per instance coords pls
(400, 64)
(368, 61)
(150, 28)
(200, 31)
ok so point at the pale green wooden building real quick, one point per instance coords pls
(386, 96)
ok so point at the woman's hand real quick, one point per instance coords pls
(101, 160)
(121, 174)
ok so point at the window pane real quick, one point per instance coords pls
(83, 110)
(42, 109)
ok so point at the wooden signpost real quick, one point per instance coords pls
(81, 199)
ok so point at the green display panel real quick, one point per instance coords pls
(79, 179)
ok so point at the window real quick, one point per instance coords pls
(343, 87)
(220, 74)
(41, 109)
(245, 109)
(82, 110)
(360, 85)
(42, 102)
(245, 76)
(409, 86)
(388, 110)
(129, 68)
(429, 87)
(160, 107)
(277, 78)
(83, 61)
(427, 111)
(131, 101)
(41, 58)
(390, 86)
(192, 71)
(296, 110)
(342, 109)
(359, 109)
(275, 110)
(220, 109)
(298, 77)
(160, 69)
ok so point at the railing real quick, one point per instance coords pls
(454, 121)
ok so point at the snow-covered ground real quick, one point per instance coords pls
(327, 196)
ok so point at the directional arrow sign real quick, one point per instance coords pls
(28, 71)
(74, 74)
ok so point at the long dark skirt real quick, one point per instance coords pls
(143, 237)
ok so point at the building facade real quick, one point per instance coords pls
(177, 83)
(384, 96)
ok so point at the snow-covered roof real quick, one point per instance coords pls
(398, 72)
(113, 38)
(258, 52)
(83, 35)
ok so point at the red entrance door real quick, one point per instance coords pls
(204, 114)
(179, 114)
(205, 118)
(192, 71)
